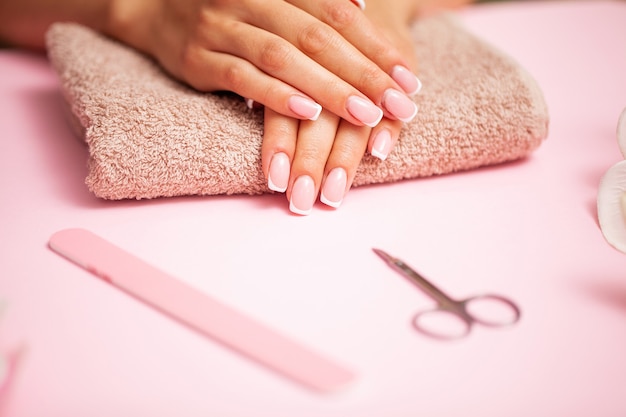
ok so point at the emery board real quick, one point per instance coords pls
(199, 310)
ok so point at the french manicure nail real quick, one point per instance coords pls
(334, 187)
(382, 145)
(398, 104)
(359, 3)
(302, 195)
(364, 110)
(406, 79)
(304, 107)
(278, 177)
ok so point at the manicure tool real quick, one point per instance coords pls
(450, 318)
(199, 311)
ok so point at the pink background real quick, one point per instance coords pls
(527, 230)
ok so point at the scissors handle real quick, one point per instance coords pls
(443, 323)
(454, 320)
(491, 310)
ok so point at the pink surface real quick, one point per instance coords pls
(527, 230)
(200, 311)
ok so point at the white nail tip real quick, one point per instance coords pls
(378, 154)
(274, 187)
(359, 3)
(296, 210)
(317, 114)
(375, 123)
(418, 88)
(334, 204)
(410, 118)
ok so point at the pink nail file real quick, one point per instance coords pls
(199, 311)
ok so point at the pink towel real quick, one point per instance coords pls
(151, 136)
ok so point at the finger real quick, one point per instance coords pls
(314, 143)
(361, 32)
(341, 167)
(280, 59)
(279, 143)
(348, 149)
(324, 45)
(383, 138)
(359, 3)
(234, 74)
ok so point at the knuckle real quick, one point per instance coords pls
(349, 154)
(283, 132)
(383, 52)
(269, 94)
(234, 78)
(341, 15)
(309, 159)
(315, 38)
(189, 62)
(274, 55)
(369, 77)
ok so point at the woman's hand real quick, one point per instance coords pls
(304, 158)
(293, 56)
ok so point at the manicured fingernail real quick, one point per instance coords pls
(278, 177)
(304, 107)
(399, 105)
(334, 187)
(364, 110)
(359, 3)
(406, 79)
(250, 103)
(302, 195)
(382, 144)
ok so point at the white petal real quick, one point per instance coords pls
(621, 132)
(611, 210)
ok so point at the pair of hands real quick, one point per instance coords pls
(334, 81)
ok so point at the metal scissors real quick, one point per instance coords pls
(450, 318)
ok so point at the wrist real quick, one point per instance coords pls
(128, 21)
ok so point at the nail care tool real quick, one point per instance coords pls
(199, 311)
(450, 318)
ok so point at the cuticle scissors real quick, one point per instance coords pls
(450, 318)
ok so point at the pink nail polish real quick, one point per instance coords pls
(334, 187)
(406, 79)
(302, 195)
(364, 110)
(304, 107)
(278, 177)
(382, 145)
(398, 104)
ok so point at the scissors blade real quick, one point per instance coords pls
(429, 288)
(394, 262)
(384, 255)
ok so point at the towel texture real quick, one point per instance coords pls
(151, 136)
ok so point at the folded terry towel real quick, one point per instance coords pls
(151, 136)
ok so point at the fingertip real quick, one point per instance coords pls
(381, 144)
(359, 3)
(406, 79)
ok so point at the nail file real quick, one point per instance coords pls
(200, 311)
